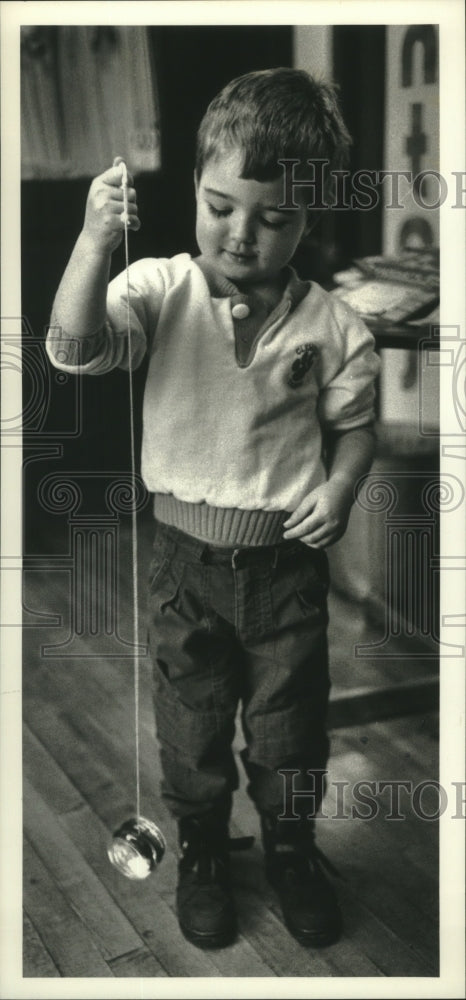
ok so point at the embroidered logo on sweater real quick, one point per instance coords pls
(307, 354)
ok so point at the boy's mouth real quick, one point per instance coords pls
(240, 258)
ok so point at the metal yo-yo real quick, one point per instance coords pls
(137, 848)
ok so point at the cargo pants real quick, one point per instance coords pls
(239, 627)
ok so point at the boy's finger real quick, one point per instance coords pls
(313, 544)
(114, 175)
(111, 176)
(305, 527)
(117, 197)
(305, 507)
(117, 163)
(318, 536)
(131, 220)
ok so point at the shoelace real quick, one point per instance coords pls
(209, 857)
(298, 859)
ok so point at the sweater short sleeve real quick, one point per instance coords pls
(108, 348)
(346, 401)
(147, 289)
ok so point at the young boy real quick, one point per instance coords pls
(258, 412)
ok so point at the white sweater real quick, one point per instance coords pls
(233, 408)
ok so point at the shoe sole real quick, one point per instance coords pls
(309, 939)
(318, 939)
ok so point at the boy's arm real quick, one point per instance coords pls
(79, 309)
(322, 517)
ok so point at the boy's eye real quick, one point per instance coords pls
(273, 225)
(218, 213)
(221, 213)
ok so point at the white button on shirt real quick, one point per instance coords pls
(240, 311)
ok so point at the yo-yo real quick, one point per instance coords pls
(137, 848)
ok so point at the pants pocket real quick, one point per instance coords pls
(156, 569)
(313, 585)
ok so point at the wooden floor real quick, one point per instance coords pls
(83, 919)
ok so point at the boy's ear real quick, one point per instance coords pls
(196, 184)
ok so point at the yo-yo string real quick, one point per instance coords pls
(134, 533)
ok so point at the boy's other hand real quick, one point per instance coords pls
(104, 223)
(322, 517)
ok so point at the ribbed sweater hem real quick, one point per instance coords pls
(221, 525)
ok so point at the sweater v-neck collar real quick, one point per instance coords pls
(220, 287)
(249, 329)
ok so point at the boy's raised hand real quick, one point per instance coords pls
(321, 518)
(104, 223)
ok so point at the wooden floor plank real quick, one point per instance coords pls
(381, 920)
(410, 756)
(66, 939)
(46, 776)
(138, 964)
(37, 962)
(255, 898)
(367, 860)
(142, 902)
(350, 960)
(370, 936)
(241, 959)
(395, 836)
(283, 955)
(66, 737)
(377, 878)
(232, 961)
(110, 930)
(388, 955)
(417, 746)
(350, 708)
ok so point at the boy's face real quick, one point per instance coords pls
(239, 228)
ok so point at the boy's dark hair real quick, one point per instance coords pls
(271, 115)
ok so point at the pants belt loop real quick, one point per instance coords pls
(233, 558)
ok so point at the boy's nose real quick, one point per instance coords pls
(242, 231)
